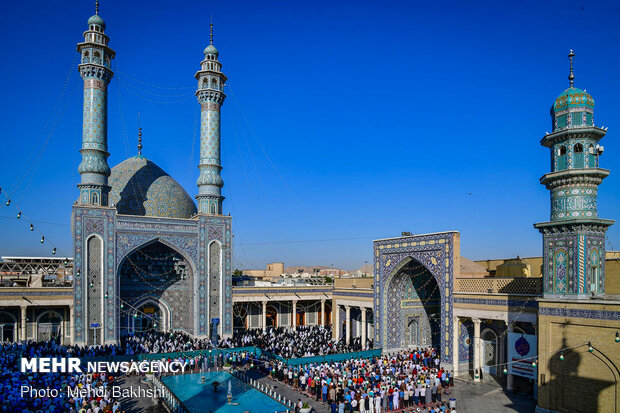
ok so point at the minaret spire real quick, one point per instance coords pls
(211, 29)
(96, 6)
(571, 76)
(139, 141)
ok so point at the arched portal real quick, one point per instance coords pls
(328, 314)
(301, 315)
(156, 290)
(240, 317)
(414, 277)
(489, 351)
(414, 296)
(413, 333)
(8, 328)
(272, 316)
(49, 326)
(148, 317)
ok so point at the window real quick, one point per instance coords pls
(578, 156)
(213, 208)
(591, 156)
(561, 161)
(95, 199)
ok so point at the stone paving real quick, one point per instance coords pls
(138, 404)
(470, 397)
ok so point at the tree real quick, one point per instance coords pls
(237, 272)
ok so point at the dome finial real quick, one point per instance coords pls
(211, 28)
(139, 141)
(571, 76)
(96, 6)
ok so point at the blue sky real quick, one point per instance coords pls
(344, 122)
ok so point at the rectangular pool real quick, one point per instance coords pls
(200, 397)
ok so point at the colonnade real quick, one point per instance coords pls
(365, 325)
(15, 319)
(477, 347)
(313, 312)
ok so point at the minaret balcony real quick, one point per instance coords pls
(581, 132)
(585, 176)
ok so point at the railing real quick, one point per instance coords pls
(48, 289)
(334, 357)
(494, 285)
(171, 401)
(263, 388)
(256, 351)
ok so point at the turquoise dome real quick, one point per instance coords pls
(139, 187)
(573, 97)
(96, 19)
(211, 50)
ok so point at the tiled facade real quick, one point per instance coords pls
(143, 206)
(435, 252)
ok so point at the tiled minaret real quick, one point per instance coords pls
(210, 95)
(574, 239)
(96, 58)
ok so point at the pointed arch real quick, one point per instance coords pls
(48, 330)
(215, 285)
(174, 292)
(94, 281)
(160, 303)
(165, 242)
(392, 299)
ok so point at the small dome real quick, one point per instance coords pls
(573, 97)
(96, 19)
(211, 50)
(139, 187)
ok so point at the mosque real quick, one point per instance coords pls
(143, 251)
(147, 256)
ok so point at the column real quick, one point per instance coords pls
(323, 312)
(476, 349)
(456, 326)
(336, 324)
(264, 316)
(363, 327)
(22, 325)
(510, 379)
(348, 324)
(294, 320)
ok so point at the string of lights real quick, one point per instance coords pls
(152, 97)
(21, 216)
(56, 116)
(151, 85)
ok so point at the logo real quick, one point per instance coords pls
(522, 346)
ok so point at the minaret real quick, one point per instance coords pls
(574, 238)
(96, 58)
(210, 95)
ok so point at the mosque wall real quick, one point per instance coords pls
(583, 381)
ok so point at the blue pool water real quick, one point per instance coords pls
(199, 397)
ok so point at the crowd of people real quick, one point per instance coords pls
(303, 341)
(14, 383)
(388, 383)
(408, 381)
